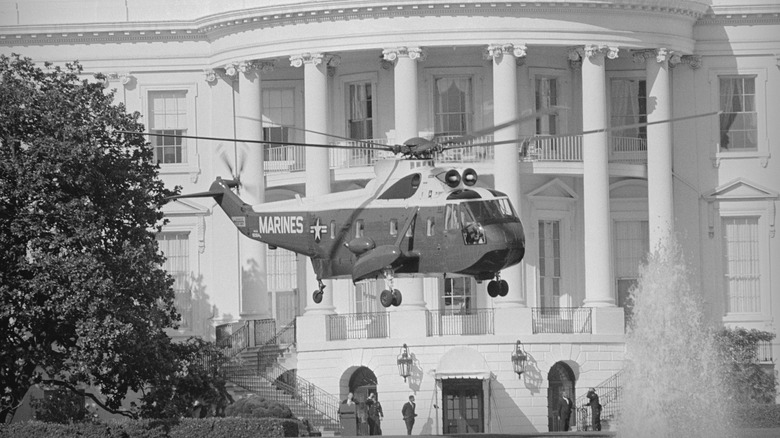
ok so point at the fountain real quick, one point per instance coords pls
(672, 384)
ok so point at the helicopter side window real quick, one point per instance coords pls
(452, 217)
(393, 227)
(332, 229)
(359, 228)
(404, 188)
(431, 226)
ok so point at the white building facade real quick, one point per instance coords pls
(592, 204)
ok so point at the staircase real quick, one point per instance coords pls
(609, 392)
(255, 370)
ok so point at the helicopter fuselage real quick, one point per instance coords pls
(418, 220)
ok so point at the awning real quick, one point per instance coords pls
(463, 363)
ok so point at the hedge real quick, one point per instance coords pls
(756, 416)
(184, 428)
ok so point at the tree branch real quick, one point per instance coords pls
(72, 388)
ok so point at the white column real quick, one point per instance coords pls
(660, 196)
(315, 82)
(406, 104)
(507, 158)
(595, 153)
(254, 287)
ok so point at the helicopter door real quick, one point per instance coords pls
(453, 234)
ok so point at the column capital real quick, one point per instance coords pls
(211, 75)
(123, 78)
(413, 53)
(497, 51)
(298, 60)
(593, 50)
(692, 61)
(661, 54)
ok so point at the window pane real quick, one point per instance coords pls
(452, 106)
(628, 106)
(168, 115)
(175, 247)
(549, 263)
(738, 128)
(742, 278)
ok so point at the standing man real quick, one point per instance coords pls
(595, 408)
(564, 411)
(375, 415)
(408, 413)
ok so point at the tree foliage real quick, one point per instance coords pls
(196, 389)
(84, 297)
(745, 379)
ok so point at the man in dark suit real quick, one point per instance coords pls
(408, 413)
(564, 411)
(595, 408)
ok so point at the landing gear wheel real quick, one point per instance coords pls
(386, 298)
(397, 297)
(503, 288)
(493, 288)
(317, 296)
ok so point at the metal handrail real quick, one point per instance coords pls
(609, 392)
(237, 342)
(302, 390)
(445, 322)
(367, 325)
(562, 320)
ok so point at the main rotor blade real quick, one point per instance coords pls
(532, 139)
(295, 128)
(280, 143)
(486, 131)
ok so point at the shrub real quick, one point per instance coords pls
(258, 407)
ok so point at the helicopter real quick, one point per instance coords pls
(413, 218)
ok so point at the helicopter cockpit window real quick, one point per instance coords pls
(404, 188)
(491, 211)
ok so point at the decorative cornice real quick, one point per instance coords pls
(123, 78)
(214, 26)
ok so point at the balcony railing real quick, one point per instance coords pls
(561, 320)
(358, 326)
(284, 159)
(464, 322)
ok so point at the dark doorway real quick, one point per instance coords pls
(560, 379)
(361, 384)
(463, 401)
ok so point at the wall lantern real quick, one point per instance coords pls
(519, 358)
(404, 363)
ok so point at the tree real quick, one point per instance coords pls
(84, 297)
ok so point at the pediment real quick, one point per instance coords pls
(554, 189)
(184, 207)
(739, 190)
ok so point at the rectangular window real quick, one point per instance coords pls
(742, 279)
(365, 296)
(549, 263)
(457, 295)
(739, 120)
(632, 244)
(168, 115)
(360, 120)
(452, 106)
(628, 105)
(175, 248)
(546, 98)
(278, 116)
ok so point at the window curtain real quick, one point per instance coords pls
(452, 103)
(625, 106)
(730, 104)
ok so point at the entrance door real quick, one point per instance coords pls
(463, 406)
(560, 380)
